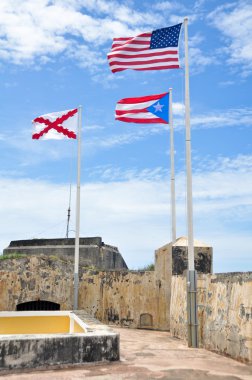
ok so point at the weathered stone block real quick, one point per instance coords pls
(55, 350)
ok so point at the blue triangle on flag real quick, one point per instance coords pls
(161, 108)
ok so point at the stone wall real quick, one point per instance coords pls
(177, 256)
(35, 278)
(134, 299)
(93, 251)
(224, 312)
(140, 299)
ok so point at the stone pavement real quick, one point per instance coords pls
(147, 355)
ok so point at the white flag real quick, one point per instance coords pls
(56, 125)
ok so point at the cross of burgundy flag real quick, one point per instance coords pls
(145, 109)
(56, 125)
(156, 50)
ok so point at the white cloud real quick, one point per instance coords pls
(215, 119)
(38, 31)
(166, 5)
(108, 81)
(178, 108)
(226, 118)
(86, 58)
(124, 138)
(93, 127)
(111, 173)
(31, 152)
(227, 83)
(198, 58)
(34, 33)
(233, 20)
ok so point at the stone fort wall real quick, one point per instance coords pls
(224, 312)
(93, 252)
(142, 299)
(138, 299)
(134, 299)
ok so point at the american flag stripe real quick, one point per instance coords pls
(130, 38)
(133, 43)
(147, 51)
(140, 37)
(151, 66)
(139, 61)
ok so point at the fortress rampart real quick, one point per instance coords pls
(93, 252)
(142, 299)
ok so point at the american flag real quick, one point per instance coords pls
(156, 50)
(145, 109)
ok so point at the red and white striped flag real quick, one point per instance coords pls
(145, 109)
(56, 125)
(156, 50)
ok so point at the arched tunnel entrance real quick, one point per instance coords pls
(37, 305)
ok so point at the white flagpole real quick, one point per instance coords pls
(173, 203)
(77, 225)
(191, 277)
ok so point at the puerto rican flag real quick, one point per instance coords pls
(56, 125)
(146, 109)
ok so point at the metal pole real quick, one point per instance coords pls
(68, 213)
(173, 204)
(68, 220)
(192, 286)
(77, 228)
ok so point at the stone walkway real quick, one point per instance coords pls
(150, 355)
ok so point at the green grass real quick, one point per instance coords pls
(149, 267)
(14, 255)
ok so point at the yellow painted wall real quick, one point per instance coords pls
(78, 328)
(35, 325)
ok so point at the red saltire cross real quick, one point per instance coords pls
(55, 125)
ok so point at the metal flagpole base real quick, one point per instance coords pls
(192, 315)
(76, 286)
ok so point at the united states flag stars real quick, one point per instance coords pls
(147, 51)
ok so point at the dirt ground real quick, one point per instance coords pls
(150, 355)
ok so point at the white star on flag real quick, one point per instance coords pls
(158, 107)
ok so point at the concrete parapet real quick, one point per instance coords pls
(28, 351)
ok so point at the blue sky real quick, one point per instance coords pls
(53, 57)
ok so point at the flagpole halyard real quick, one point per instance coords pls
(191, 274)
(77, 226)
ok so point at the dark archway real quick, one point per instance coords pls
(38, 305)
(146, 321)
